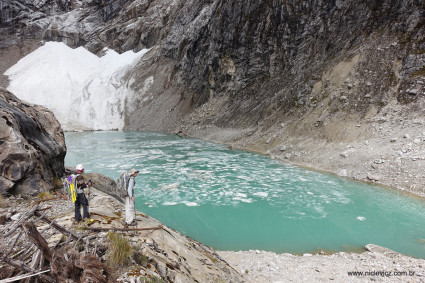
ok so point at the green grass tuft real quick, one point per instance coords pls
(44, 195)
(120, 251)
(419, 73)
(2, 202)
(147, 279)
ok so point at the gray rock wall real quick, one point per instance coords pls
(32, 147)
(264, 49)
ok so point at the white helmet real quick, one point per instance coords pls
(79, 167)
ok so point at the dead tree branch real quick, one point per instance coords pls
(24, 276)
(47, 199)
(23, 218)
(14, 243)
(22, 266)
(61, 268)
(123, 229)
(58, 227)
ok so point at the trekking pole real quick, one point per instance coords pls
(134, 206)
(88, 199)
(88, 195)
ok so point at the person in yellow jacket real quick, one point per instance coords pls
(81, 199)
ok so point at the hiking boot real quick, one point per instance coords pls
(88, 221)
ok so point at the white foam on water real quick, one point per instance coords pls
(156, 151)
(173, 186)
(191, 203)
(247, 200)
(302, 179)
(169, 203)
(125, 166)
(320, 210)
(261, 194)
(361, 218)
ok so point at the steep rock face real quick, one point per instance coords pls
(64, 20)
(277, 60)
(32, 147)
(118, 24)
(275, 51)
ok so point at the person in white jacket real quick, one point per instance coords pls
(129, 199)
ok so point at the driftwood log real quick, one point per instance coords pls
(58, 227)
(60, 196)
(18, 224)
(99, 229)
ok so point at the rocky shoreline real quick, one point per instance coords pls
(377, 264)
(386, 149)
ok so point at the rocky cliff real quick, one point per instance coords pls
(335, 85)
(32, 147)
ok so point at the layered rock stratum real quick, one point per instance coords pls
(32, 147)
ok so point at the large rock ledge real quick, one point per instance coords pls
(32, 147)
(166, 253)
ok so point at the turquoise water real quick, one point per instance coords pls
(235, 200)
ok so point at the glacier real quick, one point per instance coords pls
(84, 91)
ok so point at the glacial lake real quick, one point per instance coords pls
(236, 200)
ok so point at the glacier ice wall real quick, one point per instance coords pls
(84, 91)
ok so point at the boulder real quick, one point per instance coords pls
(105, 184)
(378, 249)
(32, 147)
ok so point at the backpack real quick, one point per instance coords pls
(69, 187)
(123, 184)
